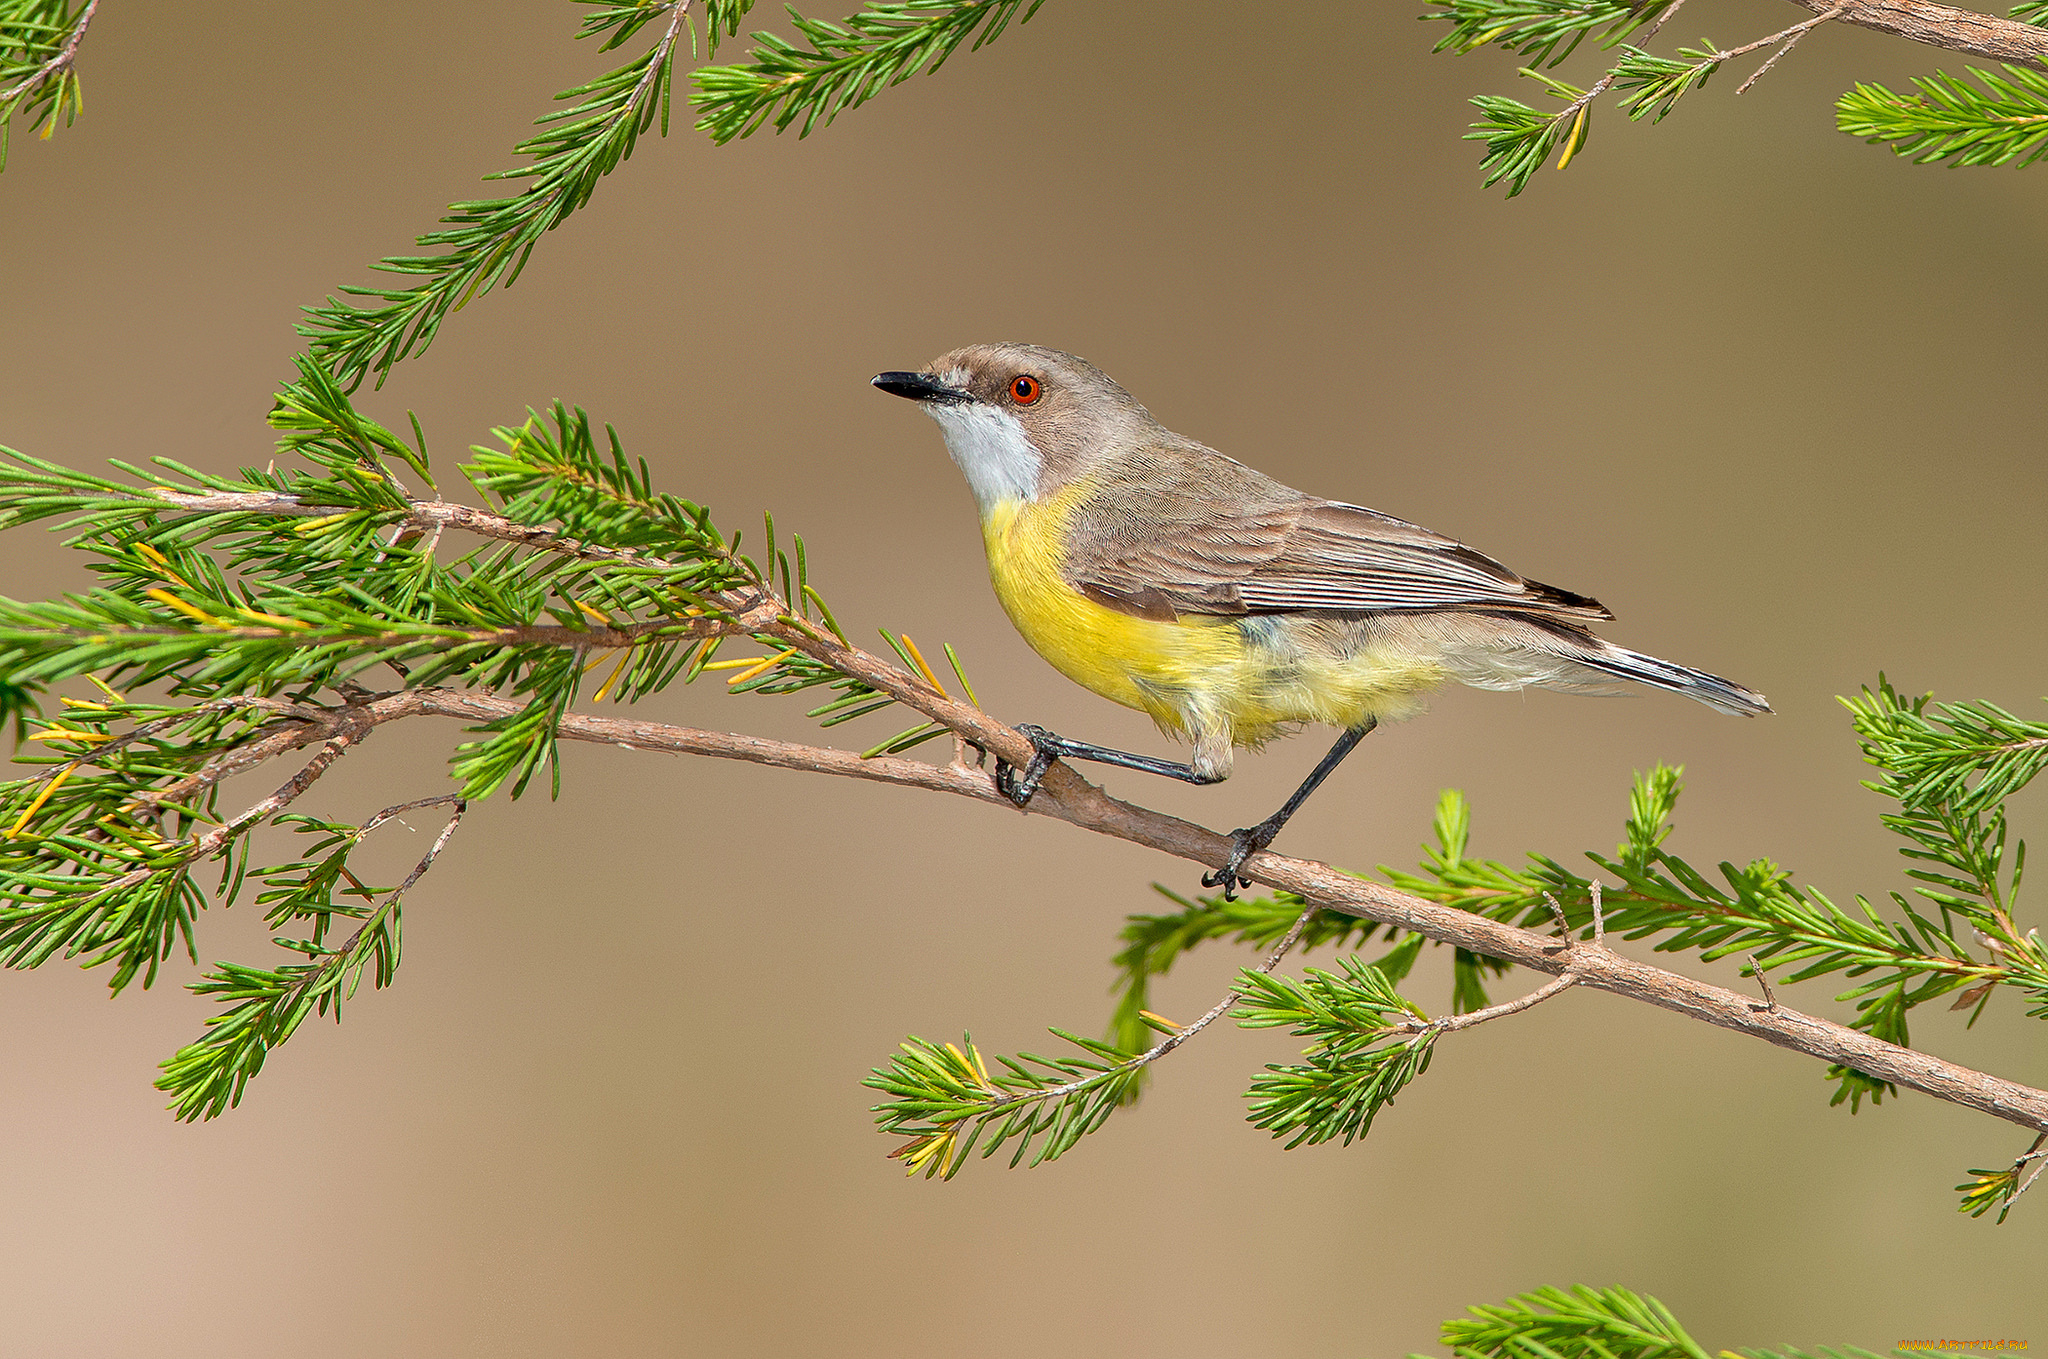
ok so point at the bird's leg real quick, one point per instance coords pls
(1020, 787)
(1251, 839)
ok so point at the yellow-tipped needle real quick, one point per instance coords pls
(625, 654)
(162, 564)
(189, 610)
(923, 665)
(759, 667)
(36, 806)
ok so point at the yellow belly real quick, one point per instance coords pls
(1195, 675)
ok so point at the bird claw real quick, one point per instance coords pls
(1019, 788)
(1245, 842)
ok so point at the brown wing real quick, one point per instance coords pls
(1348, 557)
(1146, 549)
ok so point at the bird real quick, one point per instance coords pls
(1230, 608)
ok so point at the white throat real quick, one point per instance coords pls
(991, 450)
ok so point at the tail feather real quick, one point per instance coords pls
(1717, 693)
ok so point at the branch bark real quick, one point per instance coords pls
(1957, 30)
(1068, 797)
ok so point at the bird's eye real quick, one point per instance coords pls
(1025, 390)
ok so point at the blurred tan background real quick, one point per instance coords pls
(1770, 394)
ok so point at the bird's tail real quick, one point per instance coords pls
(1717, 693)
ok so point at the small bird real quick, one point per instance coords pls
(1169, 578)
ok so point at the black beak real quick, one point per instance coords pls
(920, 387)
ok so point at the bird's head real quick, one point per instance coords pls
(1021, 419)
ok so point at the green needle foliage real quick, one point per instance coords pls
(33, 36)
(1367, 1043)
(944, 1101)
(1577, 1323)
(1948, 119)
(1952, 120)
(1519, 138)
(485, 243)
(1964, 758)
(1650, 86)
(264, 1005)
(1537, 28)
(237, 620)
(841, 66)
(1988, 1189)
(1593, 1323)
(96, 859)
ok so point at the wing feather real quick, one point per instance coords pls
(1148, 552)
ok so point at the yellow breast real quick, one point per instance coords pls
(1137, 662)
(1193, 674)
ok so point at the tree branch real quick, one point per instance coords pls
(1068, 797)
(1958, 30)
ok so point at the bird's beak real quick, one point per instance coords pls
(920, 387)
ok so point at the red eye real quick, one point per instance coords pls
(1025, 390)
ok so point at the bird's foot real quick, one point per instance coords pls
(1245, 842)
(1017, 787)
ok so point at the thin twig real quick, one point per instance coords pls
(61, 62)
(1564, 924)
(1172, 1040)
(1756, 970)
(440, 841)
(1772, 60)
(1669, 12)
(1791, 37)
(1599, 88)
(1797, 30)
(440, 800)
(680, 12)
(266, 744)
(1452, 1023)
(349, 726)
(287, 793)
(1264, 968)
(2031, 1153)
(339, 956)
